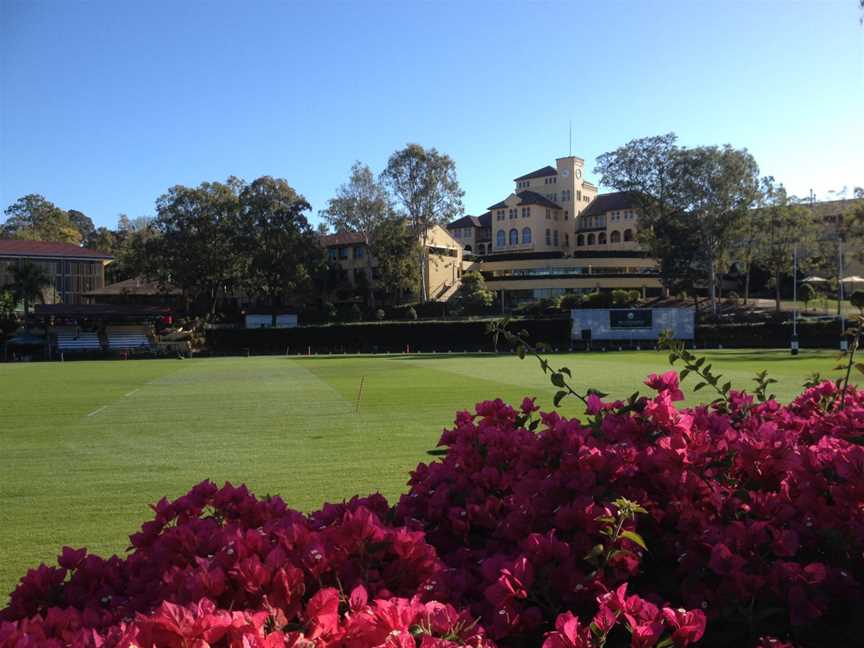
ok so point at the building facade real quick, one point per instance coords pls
(554, 234)
(74, 271)
(444, 255)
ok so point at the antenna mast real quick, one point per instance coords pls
(570, 152)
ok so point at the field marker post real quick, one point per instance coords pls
(359, 394)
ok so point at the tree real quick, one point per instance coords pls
(706, 190)
(808, 294)
(785, 225)
(34, 218)
(360, 206)
(857, 300)
(280, 248)
(394, 247)
(474, 293)
(194, 247)
(424, 183)
(28, 280)
(82, 222)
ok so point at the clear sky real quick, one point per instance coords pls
(104, 105)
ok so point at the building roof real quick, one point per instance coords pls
(100, 310)
(48, 249)
(342, 238)
(539, 173)
(610, 202)
(134, 286)
(525, 198)
(484, 220)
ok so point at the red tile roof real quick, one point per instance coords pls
(343, 238)
(19, 248)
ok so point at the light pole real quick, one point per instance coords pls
(844, 343)
(794, 346)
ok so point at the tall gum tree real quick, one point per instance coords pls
(360, 206)
(424, 183)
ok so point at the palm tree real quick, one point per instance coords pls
(28, 280)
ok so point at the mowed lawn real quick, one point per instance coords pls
(86, 446)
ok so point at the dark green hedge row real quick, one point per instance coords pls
(381, 338)
(442, 336)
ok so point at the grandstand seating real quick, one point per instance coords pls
(128, 337)
(74, 339)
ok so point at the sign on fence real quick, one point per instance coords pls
(285, 320)
(632, 323)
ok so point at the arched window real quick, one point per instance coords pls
(500, 239)
(514, 236)
(590, 239)
(548, 237)
(467, 248)
(615, 237)
(526, 234)
(580, 240)
(628, 235)
(601, 238)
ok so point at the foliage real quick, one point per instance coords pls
(279, 251)
(360, 206)
(857, 300)
(571, 301)
(597, 299)
(808, 294)
(380, 315)
(28, 282)
(424, 183)
(411, 314)
(395, 248)
(474, 295)
(623, 297)
(692, 201)
(784, 225)
(33, 217)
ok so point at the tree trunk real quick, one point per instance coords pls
(424, 279)
(777, 293)
(712, 286)
(747, 284)
(370, 286)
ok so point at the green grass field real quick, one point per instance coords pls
(86, 446)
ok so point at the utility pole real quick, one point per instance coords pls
(794, 348)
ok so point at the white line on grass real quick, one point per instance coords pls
(96, 411)
(133, 391)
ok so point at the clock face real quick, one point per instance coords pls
(578, 173)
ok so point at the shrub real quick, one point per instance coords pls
(410, 313)
(732, 298)
(597, 300)
(380, 314)
(857, 300)
(640, 524)
(355, 314)
(571, 301)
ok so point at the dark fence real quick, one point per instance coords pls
(811, 335)
(388, 337)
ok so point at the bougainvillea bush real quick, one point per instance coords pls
(739, 523)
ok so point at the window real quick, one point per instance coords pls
(359, 252)
(514, 236)
(548, 213)
(513, 213)
(601, 238)
(628, 235)
(548, 237)
(578, 194)
(500, 215)
(332, 254)
(343, 252)
(526, 235)
(457, 233)
(467, 248)
(580, 240)
(526, 212)
(359, 274)
(556, 214)
(615, 237)
(566, 214)
(500, 239)
(590, 239)
(566, 240)
(555, 237)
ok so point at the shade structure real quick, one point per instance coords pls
(852, 279)
(814, 279)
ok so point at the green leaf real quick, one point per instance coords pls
(559, 396)
(565, 370)
(557, 379)
(700, 386)
(520, 351)
(700, 362)
(726, 387)
(860, 366)
(683, 373)
(438, 452)
(672, 358)
(632, 536)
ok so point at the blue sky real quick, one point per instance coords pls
(104, 105)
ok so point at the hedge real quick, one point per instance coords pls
(384, 337)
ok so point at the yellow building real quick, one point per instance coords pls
(443, 260)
